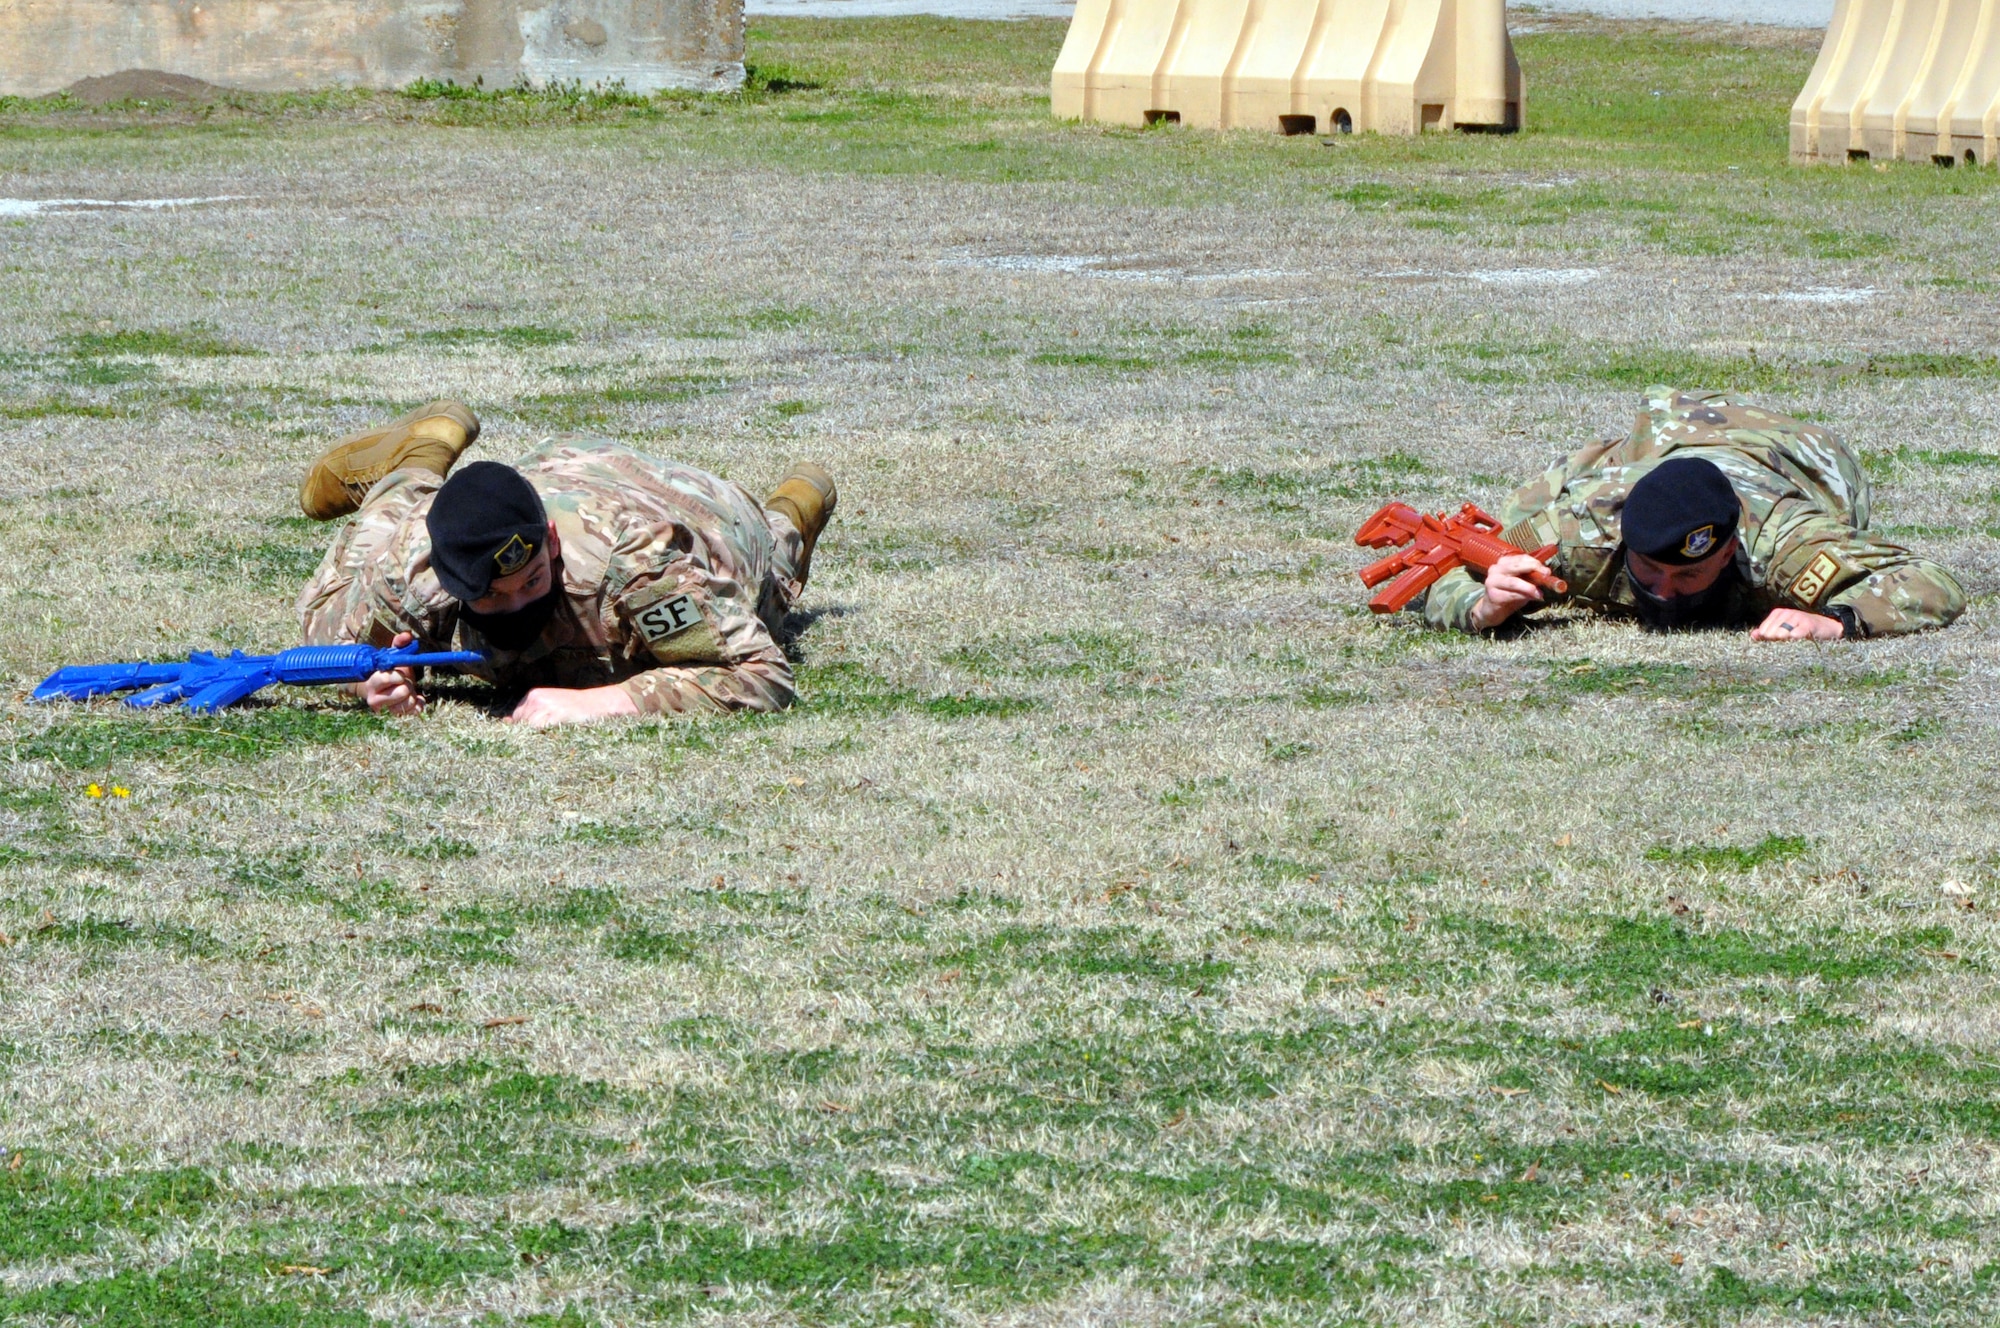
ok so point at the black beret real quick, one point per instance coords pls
(1680, 511)
(486, 522)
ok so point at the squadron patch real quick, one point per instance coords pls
(1810, 584)
(670, 617)
(674, 627)
(513, 555)
(1700, 542)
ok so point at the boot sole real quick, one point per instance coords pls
(455, 411)
(816, 476)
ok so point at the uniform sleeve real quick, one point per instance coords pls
(763, 685)
(349, 601)
(367, 587)
(1821, 564)
(710, 652)
(1450, 602)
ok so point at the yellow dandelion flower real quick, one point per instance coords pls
(93, 792)
(120, 791)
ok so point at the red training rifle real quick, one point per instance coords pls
(1437, 544)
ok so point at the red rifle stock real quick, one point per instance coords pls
(1437, 544)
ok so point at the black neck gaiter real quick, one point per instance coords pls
(519, 629)
(1708, 607)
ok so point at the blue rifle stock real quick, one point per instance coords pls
(210, 682)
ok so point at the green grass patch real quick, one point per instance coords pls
(1094, 655)
(57, 407)
(462, 938)
(53, 1211)
(510, 338)
(1771, 849)
(850, 689)
(97, 742)
(642, 945)
(201, 1293)
(1094, 359)
(574, 410)
(191, 344)
(99, 933)
(268, 563)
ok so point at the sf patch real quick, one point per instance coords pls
(669, 617)
(674, 628)
(1700, 542)
(1809, 585)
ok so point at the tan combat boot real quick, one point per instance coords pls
(808, 497)
(429, 437)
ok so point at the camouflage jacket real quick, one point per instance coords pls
(1805, 542)
(672, 580)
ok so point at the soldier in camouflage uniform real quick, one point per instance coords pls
(657, 588)
(1802, 565)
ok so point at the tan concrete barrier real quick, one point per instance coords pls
(1295, 66)
(1914, 79)
(277, 45)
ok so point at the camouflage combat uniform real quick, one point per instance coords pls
(673, 582)
(1804, 530)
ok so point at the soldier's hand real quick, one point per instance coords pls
(394, 691)
(1797, 625)
(546, 706)
(1508, 591)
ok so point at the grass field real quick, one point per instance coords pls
(1125, 927)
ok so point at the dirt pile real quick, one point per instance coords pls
(141, 85)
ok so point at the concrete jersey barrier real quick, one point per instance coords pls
(1912, 79)
(281, 45)
(1294, 66)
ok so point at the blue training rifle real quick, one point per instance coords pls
(210, 682)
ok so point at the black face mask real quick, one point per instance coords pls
(519, 629)
(1675, 613)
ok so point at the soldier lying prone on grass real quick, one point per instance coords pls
(601, 581)
(1712, 513)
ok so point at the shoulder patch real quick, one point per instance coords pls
(676, 630)
(1809, 585)
(668, 617)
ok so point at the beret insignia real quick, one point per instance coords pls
(1700, 542)
(512, 556)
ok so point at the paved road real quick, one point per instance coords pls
(1787, 13)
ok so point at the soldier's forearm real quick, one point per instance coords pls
(1914, 596)
(1451, 602)
(756, 685)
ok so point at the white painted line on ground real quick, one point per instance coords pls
(1533, 276)
(1068, 263)
(1074, 265)
(1242, 274)
(1502, 276)
(1826, 295)
(28, 207)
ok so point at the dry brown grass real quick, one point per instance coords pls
(1127, 927)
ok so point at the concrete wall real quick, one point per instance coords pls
(276, 45)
